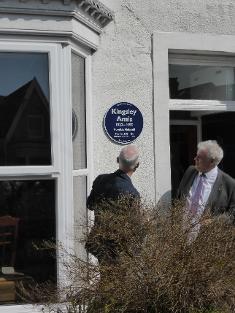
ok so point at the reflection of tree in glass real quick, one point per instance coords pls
(25, 127)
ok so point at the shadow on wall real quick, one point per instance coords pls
(164, 203)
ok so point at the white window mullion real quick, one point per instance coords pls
(83, 172)
(65, 212)
(81, 169)
(161, 122)
(89, 123)
(201, 59)
(200, 105)
(21, 308)
(55, 87)
(23, 171)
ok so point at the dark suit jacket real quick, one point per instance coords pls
(107, 187)
(111, 186)
(222, 197)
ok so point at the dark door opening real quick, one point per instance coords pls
(220, 127)
(183, 142)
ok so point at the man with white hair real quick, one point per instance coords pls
(109, 187)
(205, 186)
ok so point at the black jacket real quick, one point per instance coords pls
(111, 186)
(105, 190)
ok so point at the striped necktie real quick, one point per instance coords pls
(195, 200)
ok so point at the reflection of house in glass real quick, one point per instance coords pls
(25, 127)
(203, 91)
(207, 91)
(201, 82)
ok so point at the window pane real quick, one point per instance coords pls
(79, 112)
(31, 205)
(24, 109)
(202, 82)
(80, 212)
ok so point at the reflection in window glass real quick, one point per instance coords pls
(24, 109)
(79, 112)
(202, 82)
(27, 219)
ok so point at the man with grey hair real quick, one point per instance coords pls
(128, 159)
(110, 187)
(114, 185)
(205, 187)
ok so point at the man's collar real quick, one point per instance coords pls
(212, 173)
(122, 173)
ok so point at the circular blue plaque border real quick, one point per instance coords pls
(123, 123)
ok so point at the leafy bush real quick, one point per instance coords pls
(157, 268)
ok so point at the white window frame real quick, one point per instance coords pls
(165, 44)
(201, 105)
(53, 57)
(88, 171)
(61, 169)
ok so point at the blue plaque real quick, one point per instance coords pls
(123, 122)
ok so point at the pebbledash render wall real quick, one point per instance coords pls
(123, 70)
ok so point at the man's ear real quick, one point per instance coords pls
(137, 165)
(117, 159)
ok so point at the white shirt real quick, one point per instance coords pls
(208, 183)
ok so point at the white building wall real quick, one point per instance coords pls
(122, 68)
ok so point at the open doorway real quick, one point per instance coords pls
(184, 133)
(220, 127)
(188, 128)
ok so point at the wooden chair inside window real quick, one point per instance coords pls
(8, 239)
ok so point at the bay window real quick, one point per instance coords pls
(43, 161)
